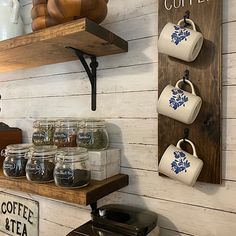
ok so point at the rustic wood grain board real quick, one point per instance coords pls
(205, 73)
(7, 137)
(83, 196)
(48, 46)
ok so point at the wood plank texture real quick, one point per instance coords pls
(220, 197)
(205, 73)
(206, 209)
(110, 105)
(185, 218)
(48, 46)
(142, 51)
(84, 196)
(11, 136)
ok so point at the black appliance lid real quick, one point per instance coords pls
(88, 229)
(125, 219)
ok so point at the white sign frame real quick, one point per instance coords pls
(19, 216)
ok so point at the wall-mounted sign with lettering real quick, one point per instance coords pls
(175, 4)
(18, 215)
(204, 73)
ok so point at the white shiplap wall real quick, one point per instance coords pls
(127, 95)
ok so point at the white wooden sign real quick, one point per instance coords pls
(18, 215)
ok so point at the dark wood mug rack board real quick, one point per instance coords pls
(205, 74)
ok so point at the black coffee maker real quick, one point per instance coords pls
(118, 220)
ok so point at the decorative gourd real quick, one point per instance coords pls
(39, 10)
(36, 2)
(42, 22)
(95, 10)
(41, 18)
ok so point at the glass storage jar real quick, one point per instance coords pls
(15, 160)
(43, 132)
(41, 163)
(65, 133)
(72, 168)
(93, 135)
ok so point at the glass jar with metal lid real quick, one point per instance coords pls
(41, 163)
(72, 168)
(15, 160)
(65, 133)
(93, 135)
(43, 132)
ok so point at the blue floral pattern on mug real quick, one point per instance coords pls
(179, 35)
(178, 98)
(180, 163)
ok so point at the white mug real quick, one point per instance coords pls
(180, 165)
(180, 42)
(179, 104)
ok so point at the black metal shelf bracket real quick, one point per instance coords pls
(92, 73)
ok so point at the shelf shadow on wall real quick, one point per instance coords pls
(204, 59)
(131, 197)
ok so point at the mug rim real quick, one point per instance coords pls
(196, 110)
(196, 173)
(165, 45)
(179, 178)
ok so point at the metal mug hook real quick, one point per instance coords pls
(186, 134)
(186, 16)
(186, 76)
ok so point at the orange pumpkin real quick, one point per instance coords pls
(39, 10)
(37, 2)
(41, 18)
(42, 22)
(95, 10)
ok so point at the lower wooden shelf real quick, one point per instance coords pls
(83, 196)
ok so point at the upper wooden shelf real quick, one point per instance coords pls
(83, 196)
(48, 46)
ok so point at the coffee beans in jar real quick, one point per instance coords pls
(41, 163)
(92, 134)
(43, 132)
(15, 160)
(65, 133)
(72, 168)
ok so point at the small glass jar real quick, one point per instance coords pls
(41, 164)
(93, 135)
(72, 168)
(15, 160)
(43, 132)
(65, 133)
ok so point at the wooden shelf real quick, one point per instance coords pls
(83, 196)
(48, 46)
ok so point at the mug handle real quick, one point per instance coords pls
(188, 82)
(191, 143)
(189, 21)
(3, 153)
